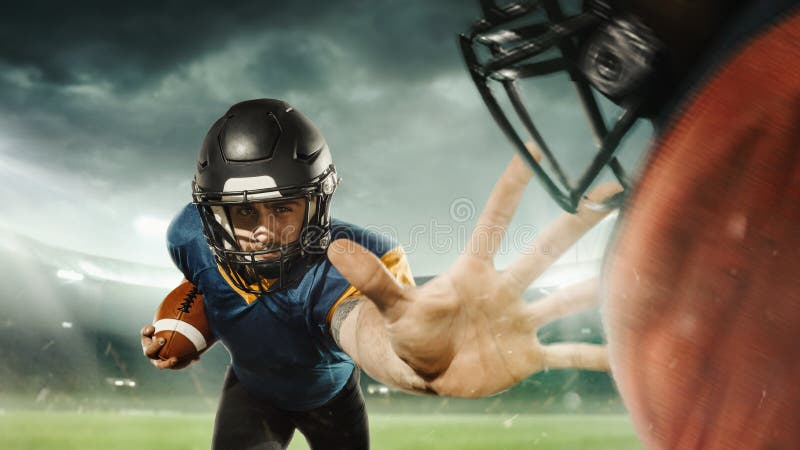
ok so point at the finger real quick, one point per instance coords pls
(565, 301)
(573, 355)
(558, 237)
(183, 363)
(367, 274)
(499, 209)
(534, 151)
(148, 331)
(166, 364)
(147, 336)
(151, 347)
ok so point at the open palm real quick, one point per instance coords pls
(469, 332)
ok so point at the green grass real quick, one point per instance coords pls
(155, 431)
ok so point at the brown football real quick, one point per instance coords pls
(703, 290)
(181, 321)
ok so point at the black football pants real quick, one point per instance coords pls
(246, 423)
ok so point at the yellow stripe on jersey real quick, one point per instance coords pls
(394, 260)
(247, 296)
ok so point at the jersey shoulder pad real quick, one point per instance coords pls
(374, 240)
(186, 243)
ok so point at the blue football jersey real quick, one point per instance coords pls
(280, 345)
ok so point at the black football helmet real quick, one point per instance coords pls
(264, 151)
(605, 46)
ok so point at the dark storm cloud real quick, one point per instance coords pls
(80, 80)
(107, 103)
(64, 43)
(130, 43)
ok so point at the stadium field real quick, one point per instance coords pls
(135, 430)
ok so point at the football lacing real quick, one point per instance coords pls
(188, 301)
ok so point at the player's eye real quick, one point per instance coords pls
(280, 208)
(245, 211)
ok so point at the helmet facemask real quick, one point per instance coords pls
(599, 49)
(259, 253)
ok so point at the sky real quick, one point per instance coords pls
(103, 107)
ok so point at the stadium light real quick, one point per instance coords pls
(121, 382)
(69, 275)
(165, 279)
(378, 389)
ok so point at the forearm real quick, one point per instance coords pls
(364, 337)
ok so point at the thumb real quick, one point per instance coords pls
(367, 274)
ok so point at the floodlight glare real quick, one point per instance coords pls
(69, 275)
(151, 227)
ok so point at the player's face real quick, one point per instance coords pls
(267, 225)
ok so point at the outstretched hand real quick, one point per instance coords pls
(468, 332)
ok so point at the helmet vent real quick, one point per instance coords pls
(308, 157)
(249, 136)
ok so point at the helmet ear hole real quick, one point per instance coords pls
(620, 59)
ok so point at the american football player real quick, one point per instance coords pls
(253, 242)
(702, 292)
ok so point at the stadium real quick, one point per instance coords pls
(105, 104)
(85, 265)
